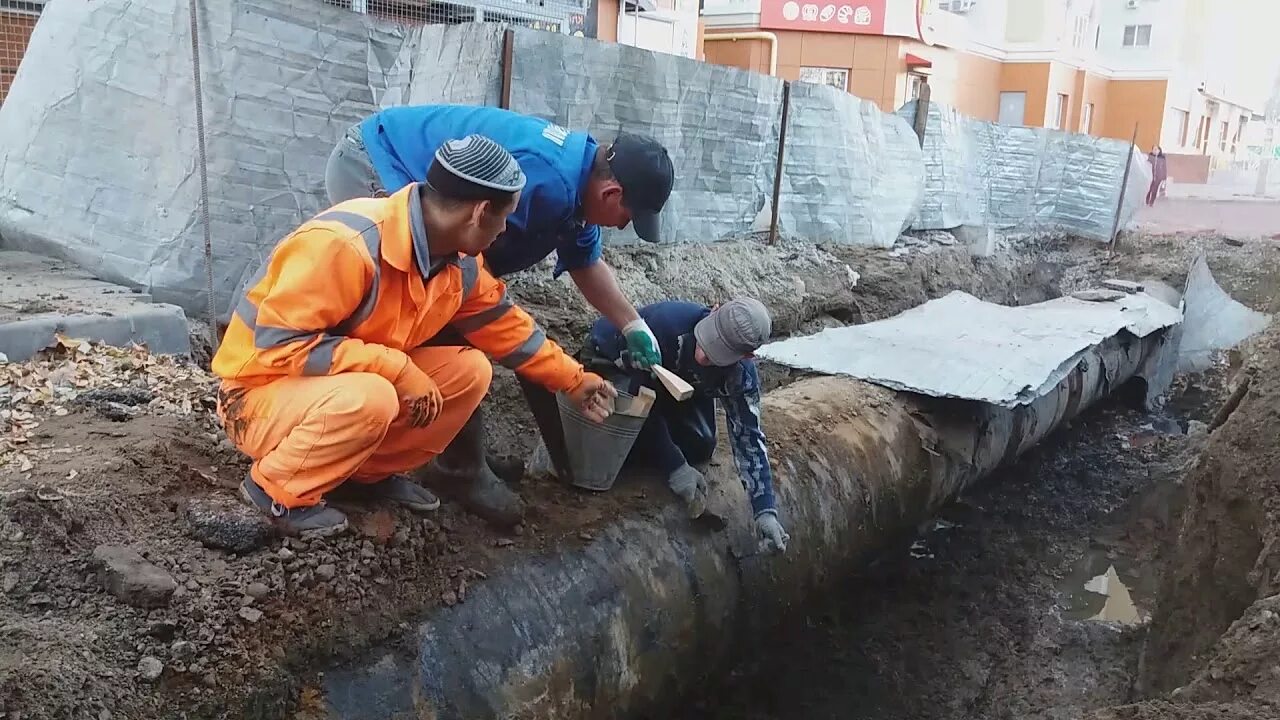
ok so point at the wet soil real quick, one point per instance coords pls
(978, 616)
(1213, 636)
(244, 630)
(986, 613)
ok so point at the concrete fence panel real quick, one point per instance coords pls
(851, 173)
(1022, 179)
(99, 162)
(720, 124)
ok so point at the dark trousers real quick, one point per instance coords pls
(1153, 193)
(542, 403)
(675, 433)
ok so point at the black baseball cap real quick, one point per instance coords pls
(643, 169)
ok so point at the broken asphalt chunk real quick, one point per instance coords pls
(127, 575)
(224, 524)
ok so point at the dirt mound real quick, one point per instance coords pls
(969, 619)
(117, 448)
(115, 451)
(1216, 626)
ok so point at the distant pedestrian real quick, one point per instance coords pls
(1159, 173)
(712, 349)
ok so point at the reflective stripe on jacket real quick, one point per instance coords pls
(354, 288)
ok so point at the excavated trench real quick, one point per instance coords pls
(1028, 597)
(1122, 569)
(946, 565)
(652, 609)
(949, 559)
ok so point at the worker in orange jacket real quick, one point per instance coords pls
(324, 374)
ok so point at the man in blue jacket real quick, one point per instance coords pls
(710, 348)
(575, 185)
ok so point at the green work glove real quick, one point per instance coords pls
(642, 344)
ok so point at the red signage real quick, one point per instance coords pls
(864, 17)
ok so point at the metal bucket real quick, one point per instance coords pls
(597, 450)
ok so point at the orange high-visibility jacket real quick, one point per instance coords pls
(355, 287)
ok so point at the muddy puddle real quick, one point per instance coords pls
(1106, 595)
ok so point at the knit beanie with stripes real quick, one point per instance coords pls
(475, 168)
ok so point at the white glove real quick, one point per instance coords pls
(691, 486)
(772, 537)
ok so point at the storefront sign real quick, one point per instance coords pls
(864, 17)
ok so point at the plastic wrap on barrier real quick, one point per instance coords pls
(851, 173)
(720, 124)
(951, 157)
(1008, 176)
(98, 154)
(1021, 179)
(459, 64)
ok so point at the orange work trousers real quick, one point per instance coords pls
(307, 435)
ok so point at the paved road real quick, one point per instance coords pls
(1235, 218)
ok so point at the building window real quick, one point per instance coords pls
(1222, 139)
(27, 7)
(1081, 31)
(1086, 119)
(914, 82)
(1137, 36)
(1184, 125)
(1013, 108)
(1058, 118)
(835, 77)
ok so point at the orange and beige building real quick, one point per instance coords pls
(1169, 68)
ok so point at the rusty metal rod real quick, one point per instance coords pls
(508, 56)
(1124, 185)
(777, 173)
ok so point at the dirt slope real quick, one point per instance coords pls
(237, 633)
(969, 619)
(1216, 628)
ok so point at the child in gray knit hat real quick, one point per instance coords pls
(711, 349)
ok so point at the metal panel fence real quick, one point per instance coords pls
(559, 16)
(112, 181)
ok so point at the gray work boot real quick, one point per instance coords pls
(318, 520)
(401, 490)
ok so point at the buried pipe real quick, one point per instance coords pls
(634, 620)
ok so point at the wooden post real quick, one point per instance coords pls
(1124, 185)
(777, 173)
(922, 112)
(508, 54)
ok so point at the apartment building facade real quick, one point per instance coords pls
(17, 20)
(1170, 68)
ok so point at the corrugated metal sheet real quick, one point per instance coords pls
(1021, 179)
(959, 346)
